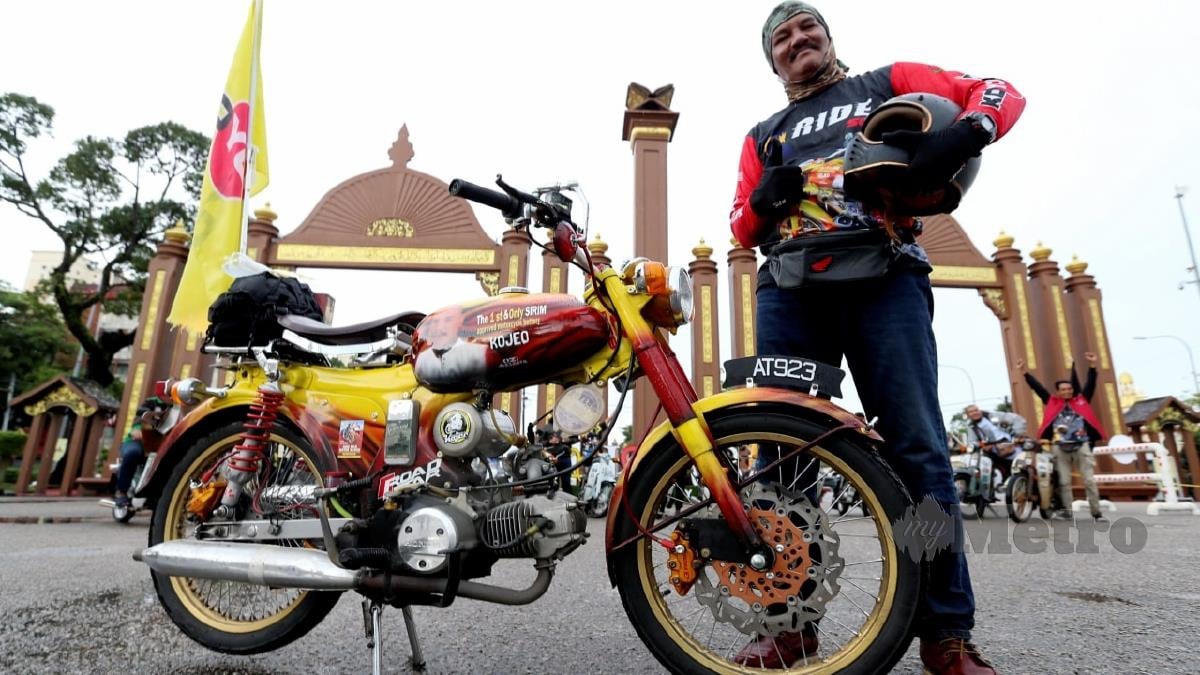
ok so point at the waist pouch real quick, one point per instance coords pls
(832, 258)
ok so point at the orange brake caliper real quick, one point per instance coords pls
(682, 563)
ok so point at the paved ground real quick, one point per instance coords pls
(74, 601)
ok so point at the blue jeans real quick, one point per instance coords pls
(132, 456)
(884, 328)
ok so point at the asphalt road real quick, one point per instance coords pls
(73, 601)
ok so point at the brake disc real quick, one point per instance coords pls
(798, 586)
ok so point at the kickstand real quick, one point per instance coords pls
(418, 659)
(373, 625)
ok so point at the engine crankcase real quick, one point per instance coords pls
(534, 527)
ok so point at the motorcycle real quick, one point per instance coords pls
(299, 481)
(1033, 484)
(141, 498)
(597, 490)
(975, 478)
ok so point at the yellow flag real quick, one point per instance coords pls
(240, 142)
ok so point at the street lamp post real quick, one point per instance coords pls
(1191, 361)
(1179, 191)
(970, 381)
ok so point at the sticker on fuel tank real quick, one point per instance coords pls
(350, 437)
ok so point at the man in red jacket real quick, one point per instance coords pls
(790, 185)
(1072, 426)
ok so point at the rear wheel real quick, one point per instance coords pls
(846, 578)
(228, 616)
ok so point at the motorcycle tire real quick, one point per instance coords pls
(210, 612)
(650, 604)
(1020, 506)
(598, 507)
(981, 505)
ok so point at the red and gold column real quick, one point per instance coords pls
(1011, 305)
(1085, 315)
(154, 342)
(514, 271)
(599, 250)
(706, 342)
(743, 284)
(648, 126)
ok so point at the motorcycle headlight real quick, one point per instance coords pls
(682, 304)
(671, 289)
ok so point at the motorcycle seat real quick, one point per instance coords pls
(359, 333)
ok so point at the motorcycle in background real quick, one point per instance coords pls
(141, 497)
(601, 478)
(1033, 483)
(974, 477)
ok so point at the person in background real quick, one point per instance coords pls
(997, 432)
(133, 447)
(1072, 427)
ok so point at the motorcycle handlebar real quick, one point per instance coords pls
(507, 205)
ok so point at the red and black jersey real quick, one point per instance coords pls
(815, 131)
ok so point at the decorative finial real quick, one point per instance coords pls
(1040, 253)
(178, 234)
(639, 97)
(702, 251)
(1076, 266)
(401, 152)
(597, 246)
(266, 213)
(1005, 240)
(1125, 378)
(734, 242)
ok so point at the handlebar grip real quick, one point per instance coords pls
(507, 205)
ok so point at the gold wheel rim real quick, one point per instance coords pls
(184, 587)
(835, 662)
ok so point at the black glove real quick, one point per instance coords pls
(780, 186)
(938, 155)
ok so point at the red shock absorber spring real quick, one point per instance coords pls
(259, 421)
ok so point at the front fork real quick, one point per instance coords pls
(677, 395)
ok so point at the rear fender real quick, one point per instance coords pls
(766, 399)
(212, 414)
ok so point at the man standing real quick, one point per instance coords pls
(1072, 427)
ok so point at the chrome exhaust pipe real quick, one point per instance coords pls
(311, 569)
(259, 564)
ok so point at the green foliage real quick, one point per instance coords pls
(34, 343)
(12, 443)
(107, 200)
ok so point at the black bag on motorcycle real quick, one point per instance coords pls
(245, 314)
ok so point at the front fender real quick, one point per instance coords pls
(818, 410)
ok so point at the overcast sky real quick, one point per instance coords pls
(536, 90)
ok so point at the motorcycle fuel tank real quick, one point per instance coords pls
(509, 341)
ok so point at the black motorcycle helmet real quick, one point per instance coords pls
(875, 173)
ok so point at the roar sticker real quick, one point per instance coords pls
(350, 437)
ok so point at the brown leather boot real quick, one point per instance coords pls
(780, 651)
(953, 656)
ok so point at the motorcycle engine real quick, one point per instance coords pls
(535, 527)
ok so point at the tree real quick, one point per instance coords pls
(106, 200)
(34, 344)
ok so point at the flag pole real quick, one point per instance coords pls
(248, 167)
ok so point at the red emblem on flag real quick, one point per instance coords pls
(227, 163)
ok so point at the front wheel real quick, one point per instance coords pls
(1020, 505)
(598, 507)
(227, 616)
(843, 579)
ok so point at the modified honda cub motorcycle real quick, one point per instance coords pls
(301, 480)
